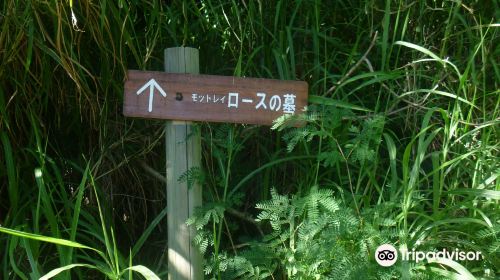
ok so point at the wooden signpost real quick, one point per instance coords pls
(211, 98)
(182, 95)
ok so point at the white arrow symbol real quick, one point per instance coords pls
(152, 84)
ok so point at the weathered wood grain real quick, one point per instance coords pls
(183, 152)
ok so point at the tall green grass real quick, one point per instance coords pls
(402, 126)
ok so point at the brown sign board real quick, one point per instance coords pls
(209, 98)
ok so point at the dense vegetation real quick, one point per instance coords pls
(400, 143)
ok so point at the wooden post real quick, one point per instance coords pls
(183, 151)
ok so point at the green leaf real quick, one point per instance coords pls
(76, 211)
(147, 232)
(49, 239)
(267, 165)
(11, 171)
(321, 100)
(464, 273)
(477, 192)
(429, 53)
(144, 271)
(418, 48)
(56, 271)
(440, 92)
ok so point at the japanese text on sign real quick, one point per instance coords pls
(285, 102)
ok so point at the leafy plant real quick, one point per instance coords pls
(111, 272)
(111, 263)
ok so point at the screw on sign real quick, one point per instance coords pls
(212, 98)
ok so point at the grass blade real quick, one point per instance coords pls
(57, 241)
(144, 271)
(147, 232)
(491, 194)
(76, 212)
(321, 100)
(11, 172)
(56, 271)
(439, 92)
(464, 273)
(420, 49)
(391, 147)
(32, 259)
